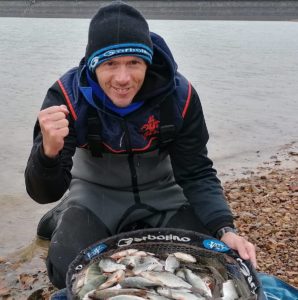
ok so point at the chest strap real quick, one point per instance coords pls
(171, 120)
(167, 129)
(93, 136)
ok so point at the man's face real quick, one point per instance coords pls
(121, 78)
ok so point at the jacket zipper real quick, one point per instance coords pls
(133, 172)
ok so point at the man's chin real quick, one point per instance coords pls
(122, 103)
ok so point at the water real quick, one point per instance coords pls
(245, 73)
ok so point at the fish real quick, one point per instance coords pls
(143, 253)
(86, 297)
(180, 274)
(92, 272)
(178, 294)
(137, 282)
(89, 279)
(155, 296)
(109, 265)
(197, 282)
(92, 285)
(214, 281)
(185, 257)
(148, 263)
(123, 253)
(229, 291)
(171, 263)
(165, 279)
(79, 281)
(130, 261)
(134, 274)
(111, 292)
(113, 279)
(125, 297)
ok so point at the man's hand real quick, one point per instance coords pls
(54, 128)
(245, 249)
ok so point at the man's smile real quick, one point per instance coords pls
(121, 90)
(121, 78)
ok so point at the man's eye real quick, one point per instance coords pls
(108, 63)
(135, 62)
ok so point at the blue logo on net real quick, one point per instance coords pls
(215, 245)
(96, 250)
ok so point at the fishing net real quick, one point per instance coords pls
(210, 254)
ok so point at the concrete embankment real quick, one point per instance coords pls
(154, 9)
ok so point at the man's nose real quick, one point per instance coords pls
(122, 75)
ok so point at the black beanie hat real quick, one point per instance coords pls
(117, 30)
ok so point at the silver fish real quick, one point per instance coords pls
(155, 296)
(109, 265)
(92, 271)
(185, 257)
(125, 297)
(229, 291)
(143, 253)
(180, 274)
(148, 263)
(124, 253)
(79, 281)
(166, 279)
(159, 268)
(111, 292)
(86, 297)
(178, 294)
(171, 263)
(216, 283)
(113, 279)
(88, 280)
(196, 281)
(133, 274)
(130, 261)
(136, 282)
(92, 284)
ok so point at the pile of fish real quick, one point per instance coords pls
(135, 274)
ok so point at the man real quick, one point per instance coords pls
(122, 138)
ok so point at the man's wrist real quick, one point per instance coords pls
(219, 234)
(46, 161)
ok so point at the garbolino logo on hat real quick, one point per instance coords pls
(117, 30)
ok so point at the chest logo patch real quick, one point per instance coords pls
(150, 128)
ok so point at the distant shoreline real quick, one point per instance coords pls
(274, 10)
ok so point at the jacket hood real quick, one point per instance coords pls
(160, 77)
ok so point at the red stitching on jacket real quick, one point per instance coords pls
(73, 113)
(134, 149)
(187, 101)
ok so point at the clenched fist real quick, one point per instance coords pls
(54, 128)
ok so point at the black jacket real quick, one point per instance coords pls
(48, 179)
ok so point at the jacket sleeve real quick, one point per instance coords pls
(47, 179)
(194, 171)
